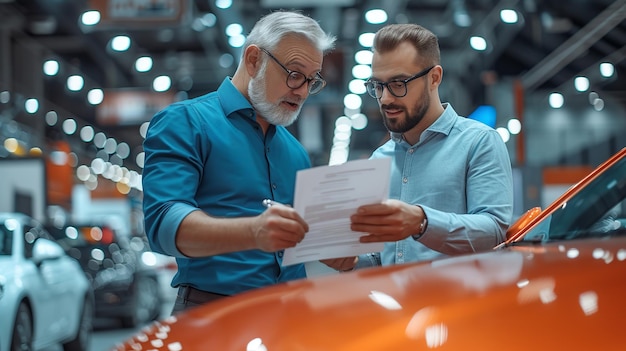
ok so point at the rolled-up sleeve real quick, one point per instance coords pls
(173, 166)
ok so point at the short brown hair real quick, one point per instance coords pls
(424, 41)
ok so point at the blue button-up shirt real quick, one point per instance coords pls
(210, 154)
(459, 172)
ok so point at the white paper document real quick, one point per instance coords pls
(326, 197)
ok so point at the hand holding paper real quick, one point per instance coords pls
(326, 197)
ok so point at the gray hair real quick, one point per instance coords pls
(274, 27)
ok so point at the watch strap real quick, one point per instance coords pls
(422, 229)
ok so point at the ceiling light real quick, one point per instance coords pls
(209, 20)
(198, 25)
(162, 83)
(51, 67)
(226, 60)
(234, 29)
(376, 16)
(223, 4)
(338, 156)
(504, 134)
(343, 124)
(5, 96)
(110, 145)
(556, 100)
(598, 104)
(75, 82)
(99, 139)
(237, 41)
(359, 121)
(143, 129)
(90, 18)
(357, 86)
(581, 83)
(31, 105)
(11, 144)
(123, 150)
(364, 57)
(51, 118)
(95, 96)
(87, 133)
(607, 69)
(478, 43)
(82, 173)
(361, 71)
(140, 159)
(462, 19)
(514, 126)
(352, 101)
(508, 16)
(343, 135)
(143, 64)
(69, 126)
(366, 39)
(98, 165)
(120, 43)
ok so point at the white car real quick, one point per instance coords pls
(45, 297)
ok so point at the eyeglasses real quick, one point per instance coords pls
(395, 87)
(297, 79)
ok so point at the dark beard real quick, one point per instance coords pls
(403, 126)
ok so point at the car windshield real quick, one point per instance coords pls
(598, 210)
(6, 240)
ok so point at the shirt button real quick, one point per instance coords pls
(280, 254)
(399, 254)
(274, 186)
(405, 180)
(411, 151)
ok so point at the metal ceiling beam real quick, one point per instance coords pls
(576, 45)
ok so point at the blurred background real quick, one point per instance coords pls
(81, 79)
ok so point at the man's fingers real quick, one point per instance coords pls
(289, 216)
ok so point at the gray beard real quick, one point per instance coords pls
(274, 114)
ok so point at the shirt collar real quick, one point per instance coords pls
(231, 99)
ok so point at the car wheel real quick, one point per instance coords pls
(146, 303)
(83, 334)
(22, 339)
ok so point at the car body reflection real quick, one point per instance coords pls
(557, 283)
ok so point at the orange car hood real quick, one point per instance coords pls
(502, 300)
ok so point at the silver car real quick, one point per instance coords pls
(45, 297)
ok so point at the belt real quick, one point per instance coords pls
(191, 294)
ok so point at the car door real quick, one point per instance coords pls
(30, 277)
(58, 278)
(51, 284)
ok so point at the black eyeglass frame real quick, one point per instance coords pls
(318, 77)
(372, 85)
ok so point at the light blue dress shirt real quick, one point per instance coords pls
(459, 172)
(210, 154)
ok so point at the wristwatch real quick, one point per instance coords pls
(423, 227)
